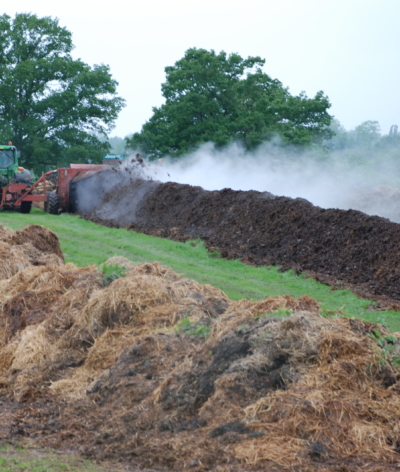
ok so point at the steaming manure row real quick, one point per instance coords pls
(262, 229)
(163, 373)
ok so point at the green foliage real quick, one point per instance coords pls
(364, 154)
(224, 98)
(388, 344)
(51, 106)
(391, 339)
(215, 255)
(279, 312)
(340, 137)
(364, 136)
(117, 144)
(242, 327)
(111, 272)
(367, 133)
(199, 330)
(282, 312)
(19, 458)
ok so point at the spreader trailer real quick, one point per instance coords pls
(19, 195)
(60, 199)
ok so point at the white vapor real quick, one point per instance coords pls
(283, 171)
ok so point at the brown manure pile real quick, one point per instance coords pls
(162, 373)
(262, 229)
(33, 245)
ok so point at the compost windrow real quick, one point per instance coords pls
(263, 229)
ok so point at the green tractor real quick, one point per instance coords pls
(15, 181)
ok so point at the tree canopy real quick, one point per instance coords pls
(364, 136)
(52, 107)
(224, 98)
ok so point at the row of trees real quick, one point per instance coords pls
(364, 135)
(367, 152)
(225, 99)
(58, 110)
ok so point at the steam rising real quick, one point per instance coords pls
(326, 182)
(91, 189)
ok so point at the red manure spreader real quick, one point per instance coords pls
(53, 188)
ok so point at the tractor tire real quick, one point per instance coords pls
(51, 206)
(25, 207)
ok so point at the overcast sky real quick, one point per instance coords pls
(347, 48)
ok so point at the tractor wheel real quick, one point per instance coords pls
(25, 207)
(51, 206)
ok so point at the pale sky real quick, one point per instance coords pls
(347, 48)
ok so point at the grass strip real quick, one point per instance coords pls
(85, 243)
(28, 457)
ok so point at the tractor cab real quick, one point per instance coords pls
(9, 170)
(15, 182)
(8, 163)
(8, 159)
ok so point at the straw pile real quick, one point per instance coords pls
(33, 245)
(51, 186)
(162, 372)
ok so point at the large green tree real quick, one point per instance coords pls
(224, 98)
(51, 106)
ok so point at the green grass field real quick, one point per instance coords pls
(85, 243)
(23, 457)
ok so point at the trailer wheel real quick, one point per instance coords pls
(25, 207)
(51, 206)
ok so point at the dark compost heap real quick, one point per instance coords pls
(263, 229)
